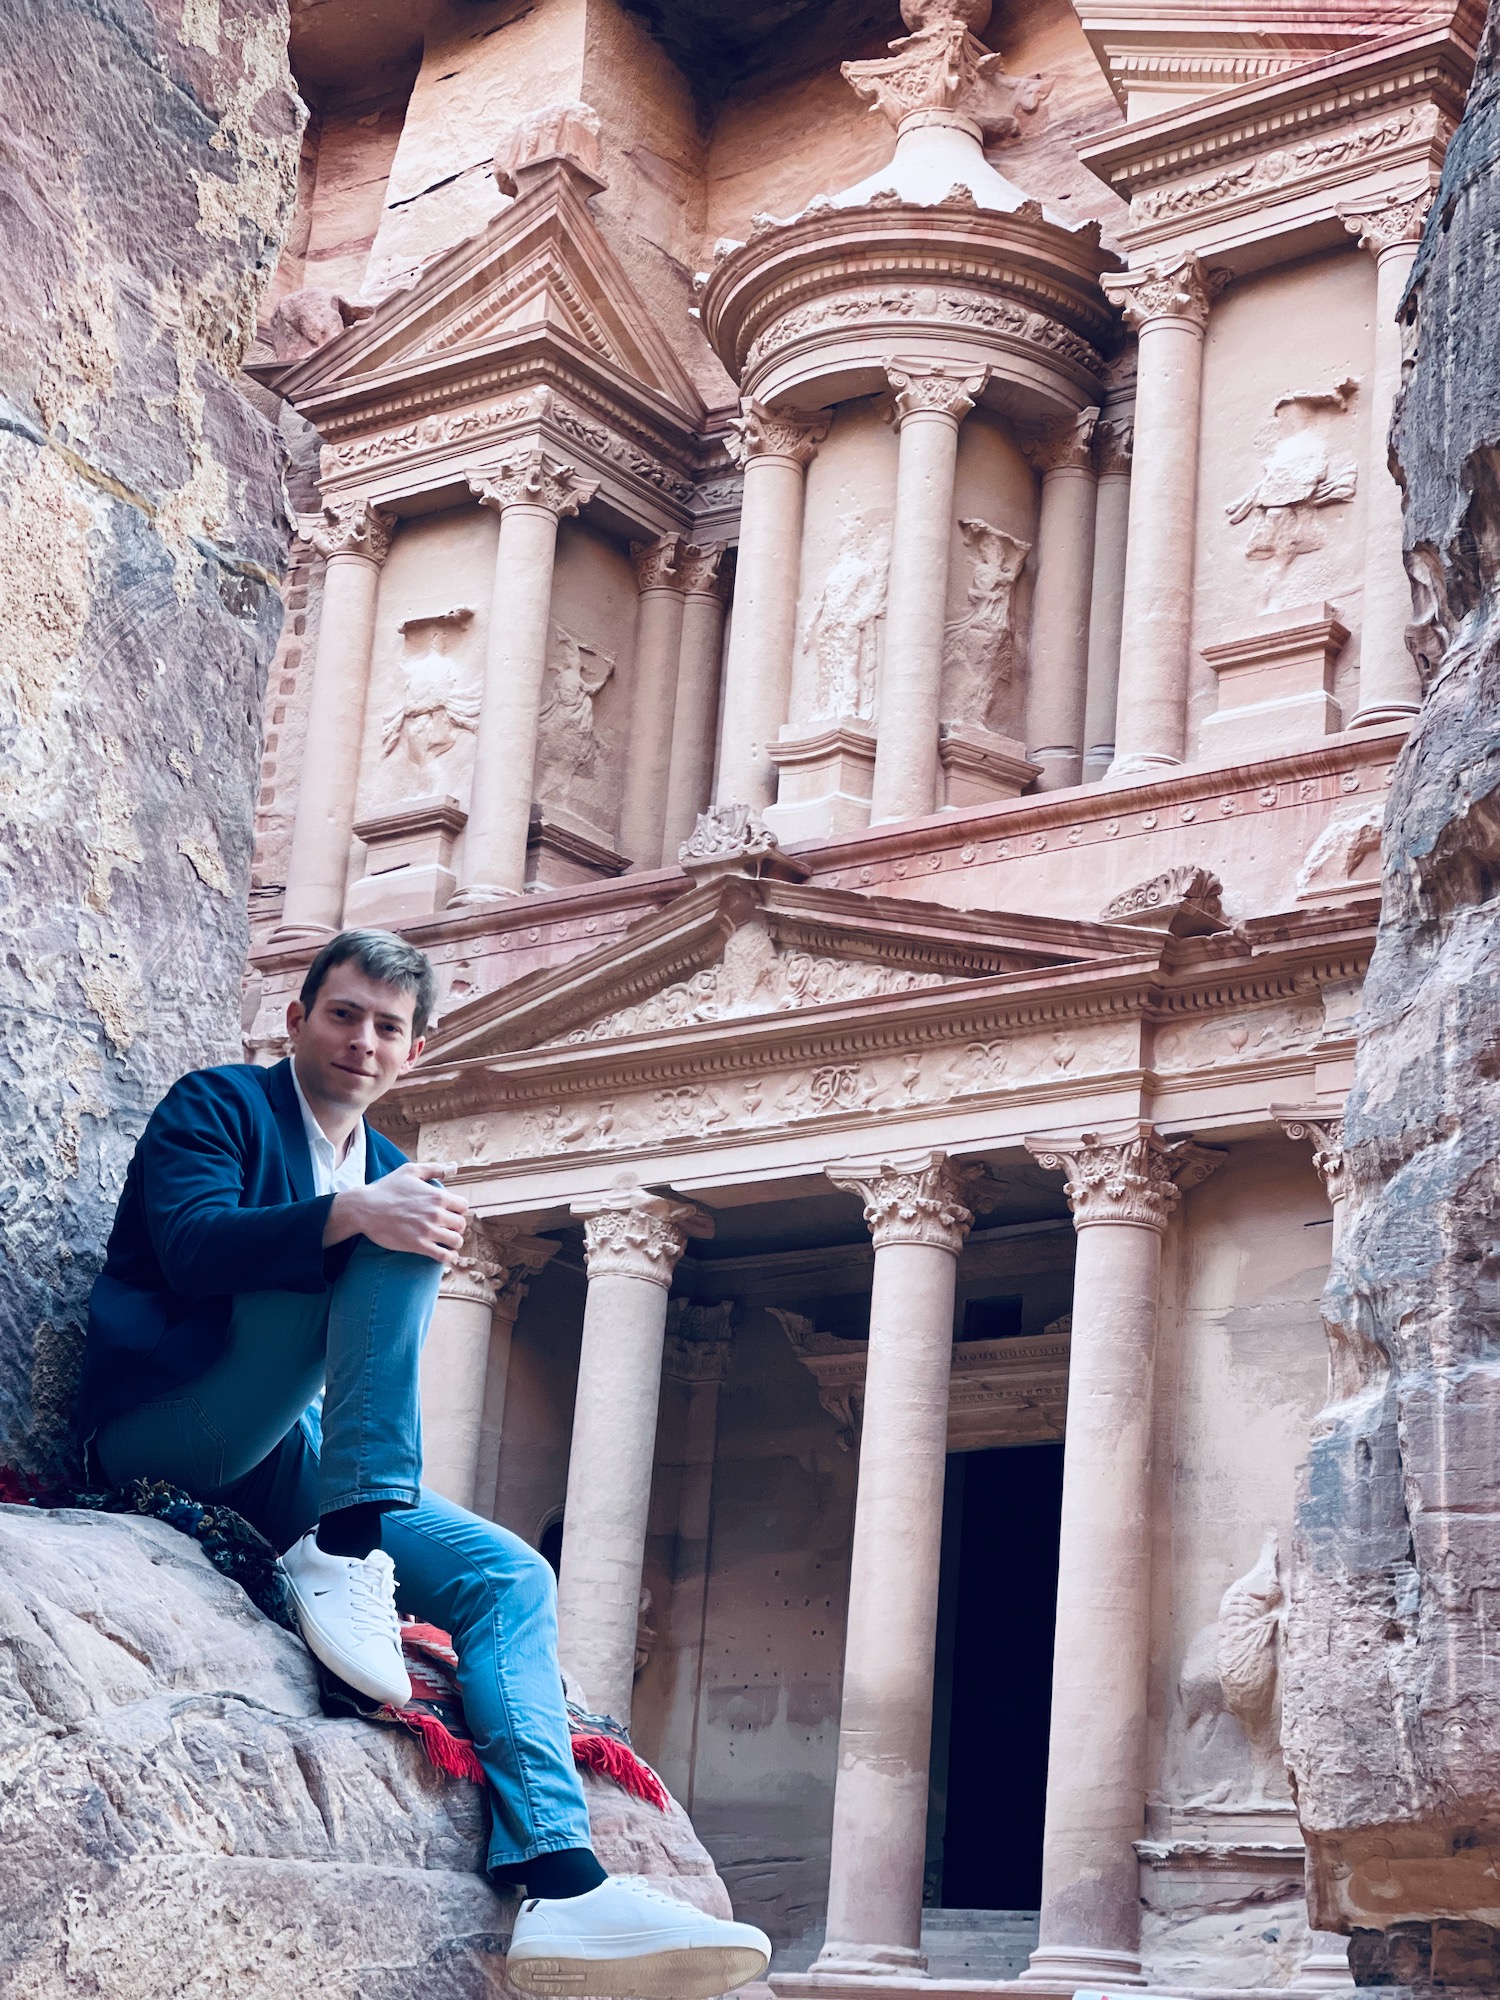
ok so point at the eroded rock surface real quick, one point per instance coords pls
(1392, 1721)
(178, 1818)
(148, 156)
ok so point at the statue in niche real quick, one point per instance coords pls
(1230, 1695)
(1300, 475)
(436, 706)
(979, 648)
(841, 633)
(567, 746)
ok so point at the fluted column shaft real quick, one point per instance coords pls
(531, 491)
(1390, 689)
(1122, 1187)
(1060, 604)
(691, 770)
(658, 646)
(355, 538)
(632, 1243)
(918, 1222)
(931, 402)
(775, 447)
(1112, 448)
(1169, 309)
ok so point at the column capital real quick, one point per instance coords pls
(1382, 228)
(699, 1340)
(1065, 446)
(353, 527)
(1183, 290)
(1126, 1174)
(1324, 1127)
(703, 569)
(495, 1264)
(912, 1198)
(761, 432)
(1114, 444)
(632, 1234)
(934, 389)
(659, 564)
(529, 476)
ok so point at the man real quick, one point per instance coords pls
(269, 1244)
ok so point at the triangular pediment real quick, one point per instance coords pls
(542, 266)
(738, 949)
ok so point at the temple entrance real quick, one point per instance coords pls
(993, 1687)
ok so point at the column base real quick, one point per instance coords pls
(869, 1961)
(1141, 764)
(301, 934)
(1325, 1968)
(478, 896)
(1064, 1965)
(1382, 714)
(1060, 769)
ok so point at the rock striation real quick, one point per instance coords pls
(180, 1819)
(1392, 1723)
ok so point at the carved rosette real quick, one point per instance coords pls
(531, 477)
(354, 527)
(932, 389)
(658, 564)
(760, 432)
(1131, 1177)
(1383, 229)
(638, 1235)
(703, 569)
(920, 1199)
(1182, 291)
(1114, 444)
(1066, 447)
(1325, 1129)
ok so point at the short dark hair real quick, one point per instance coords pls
(379, 955)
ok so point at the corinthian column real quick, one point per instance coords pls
(931, 403)
(1112, 448)
(1060, 605)
(1122, 1186)
(1389, 687)
(658, 644)
(1325, 1130)
(915, 1208)
(354, 537)
(531, 491)
(775, 447)
(1168, 307)
(690, 774)
(632, 1243)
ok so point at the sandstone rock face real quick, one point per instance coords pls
(148, 158)
(1392, 1722)
(180, 1820)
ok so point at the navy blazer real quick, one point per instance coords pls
(218, 1199)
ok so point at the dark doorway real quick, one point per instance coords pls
(1001, 1615)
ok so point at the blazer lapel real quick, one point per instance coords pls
(294, 1144)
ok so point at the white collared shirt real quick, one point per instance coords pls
(330, 1175)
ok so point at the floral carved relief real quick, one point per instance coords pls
(1132, 1176)
(943, 66)
(841, 634)
(925, 304)
(979, 646)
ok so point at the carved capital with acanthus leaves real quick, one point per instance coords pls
(914, 1198)
(761, 432)
(531, 477)
(1325, 1129)
(1382, 229)
(1183, 290)
(354, 527)
(933, 389)
(1127, 1174)
(658, 564)
(632, 1234)
(1066, 446)
(494, 1266)
(703, 569)
(1113, 445)
(943, 67)
(700, 1340)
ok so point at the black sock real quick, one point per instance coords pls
(352, 1531)
(572, 1871)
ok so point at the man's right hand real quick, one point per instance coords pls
(406, 1210)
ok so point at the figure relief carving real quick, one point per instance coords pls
(1382, 229)
(567, 745)
(759, 432)
(1131, 1176)
(1114, 444)
(566, 131)
(702, 573)
(355, 527)
(934, 389)
(842, 632)
(1180, 290)
(943, 66)
(1325, 1131)
(1066, 446)
(658, 564)
(529, 476)
(920, 1199)
(1230, 1694)
(1301, 474)
(632, 1234)
(436, 706)
(979, 647)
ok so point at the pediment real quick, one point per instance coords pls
(736, 950)
(542, 266)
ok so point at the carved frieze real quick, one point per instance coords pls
(353, 527)
(604, 445)
(1124, 1176)
(924, 305)
(841, 634)
(759, 432)
(979, 646)
(458, 427)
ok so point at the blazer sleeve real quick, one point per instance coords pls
(197, 1156)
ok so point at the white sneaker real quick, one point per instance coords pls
(346, 1606)
(631, 1941)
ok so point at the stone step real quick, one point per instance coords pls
(978, 1944)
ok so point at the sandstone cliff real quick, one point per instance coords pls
(1393, 1726)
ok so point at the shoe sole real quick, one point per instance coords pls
(699, 1972)
(322, 1648)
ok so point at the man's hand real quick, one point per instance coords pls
(405, 1210)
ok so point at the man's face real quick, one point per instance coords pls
(354, 1041)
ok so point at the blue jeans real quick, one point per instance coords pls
(248, 1433)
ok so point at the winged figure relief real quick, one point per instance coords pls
(1300, 475)
(979, 647)
(568, 747)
